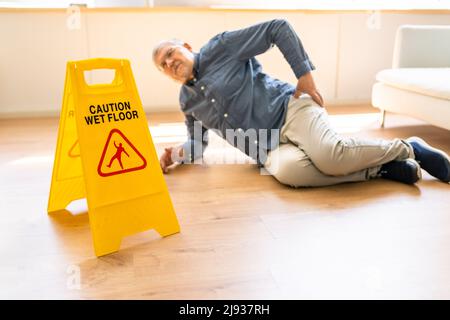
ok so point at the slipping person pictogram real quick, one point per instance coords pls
(117, 144)
(118, 155)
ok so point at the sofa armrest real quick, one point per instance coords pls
(422, 47)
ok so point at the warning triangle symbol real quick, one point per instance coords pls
(119, 156)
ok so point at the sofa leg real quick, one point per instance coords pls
(382, 118)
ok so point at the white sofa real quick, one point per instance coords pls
(418, 84)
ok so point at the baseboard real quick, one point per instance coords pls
(29, 114)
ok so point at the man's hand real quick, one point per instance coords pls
(306, 84)
(166, 159)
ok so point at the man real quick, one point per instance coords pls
(224, 88)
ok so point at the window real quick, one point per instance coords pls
(239, 4)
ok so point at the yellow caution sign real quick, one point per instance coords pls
(106, 154)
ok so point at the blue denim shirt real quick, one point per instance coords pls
(231, 92)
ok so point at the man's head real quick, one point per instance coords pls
(175, 59)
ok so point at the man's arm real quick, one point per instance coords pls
(197, 141)
(249, 42)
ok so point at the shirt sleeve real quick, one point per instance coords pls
(249, 42)
(197, 141)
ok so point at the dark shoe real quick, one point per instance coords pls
(434, 161)
(406, 171)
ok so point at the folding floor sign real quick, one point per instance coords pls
(105, 153)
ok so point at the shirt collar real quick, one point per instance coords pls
(195, 70)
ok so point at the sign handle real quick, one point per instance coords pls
(117, 85)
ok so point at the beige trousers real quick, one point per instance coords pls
(312, 154)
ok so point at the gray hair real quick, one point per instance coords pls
(163, 44)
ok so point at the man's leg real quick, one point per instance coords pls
(307, 126)
(291, 166)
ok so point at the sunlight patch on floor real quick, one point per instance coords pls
(219, 151)
(175, 132)
(33, 160)
(351, 123)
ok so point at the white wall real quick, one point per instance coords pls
(37, 44)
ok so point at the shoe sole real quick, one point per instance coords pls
(442, 153)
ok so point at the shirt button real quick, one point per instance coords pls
(195, 79)
(202, 87)
(213, 100)
(225, 115)
(256, 141)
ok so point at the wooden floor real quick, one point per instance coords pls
(244, 236)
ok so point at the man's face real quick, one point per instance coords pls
(176, 61)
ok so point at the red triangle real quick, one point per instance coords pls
(102, 158)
